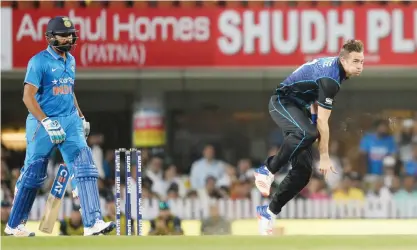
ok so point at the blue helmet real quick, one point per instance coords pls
(61, 26)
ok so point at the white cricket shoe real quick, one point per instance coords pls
(100, 227)
(265, 220)
(263, 180)
(19, 231)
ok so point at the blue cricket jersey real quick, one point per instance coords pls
(318, 80)
(54, 77)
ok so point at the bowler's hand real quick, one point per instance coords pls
(86, 126)
(54, 130)
(325, 166)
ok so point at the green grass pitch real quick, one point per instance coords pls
(212, 243)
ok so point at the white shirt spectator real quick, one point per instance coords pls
(201, 169)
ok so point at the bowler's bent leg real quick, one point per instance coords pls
(297, 178)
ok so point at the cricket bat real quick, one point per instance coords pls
(53, 203)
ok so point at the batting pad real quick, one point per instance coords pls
(86, 174)
(32, 178)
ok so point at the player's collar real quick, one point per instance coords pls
(53, 53)
(342, 71)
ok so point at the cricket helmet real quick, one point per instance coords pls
(62, 26)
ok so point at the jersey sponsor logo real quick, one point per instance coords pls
(329, 101)
(54, 69)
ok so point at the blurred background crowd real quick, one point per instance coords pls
(385, 169)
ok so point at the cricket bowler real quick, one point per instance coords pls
(308, 92)
(55, 120)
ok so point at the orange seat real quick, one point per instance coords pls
(72, 4)
(234, 4)
(188, 4)
(93, 4)
(164, 4)
(25, 5)
(44, 4)
(255, 4)
(140, 4)
(279, 3)
(117, 4)
(305, 4)
(210, 3)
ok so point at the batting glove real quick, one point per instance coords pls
(54, 130)
(86, 126)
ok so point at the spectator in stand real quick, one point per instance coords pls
(215, 224)
(241, 190)
(170, 178)
(389, 163)
(410, 166)
(408, 192)
(154, 170)
(405, 196)
(405, 139)
(228, 178)
(209, 191)
(72, 226)
(395, 185)
(173, 193)
(192, 195)
(244, 168)
(316, 189)
(205, 167)
(379, 191)
(5, 211)
(111, 215)
(357, 180)
(166, 223)
(347, 191)
(375, 146)
(96, 141)
(378, 197)
(108, 165)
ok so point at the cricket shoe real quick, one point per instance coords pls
(19, 231)
(263, 180)
(100, 227)
(265, 220)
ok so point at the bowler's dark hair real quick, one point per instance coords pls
(351, 46)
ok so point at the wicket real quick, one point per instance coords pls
(128, 154)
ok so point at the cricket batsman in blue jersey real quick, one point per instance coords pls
(55, 120)
(301, 107)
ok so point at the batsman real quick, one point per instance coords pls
(55, 120)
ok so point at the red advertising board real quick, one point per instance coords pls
(138, 38)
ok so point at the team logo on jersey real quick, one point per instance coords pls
(329, 101)
(73, 67)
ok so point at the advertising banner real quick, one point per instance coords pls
(160, 38)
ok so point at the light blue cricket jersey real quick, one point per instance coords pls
(54, 77)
